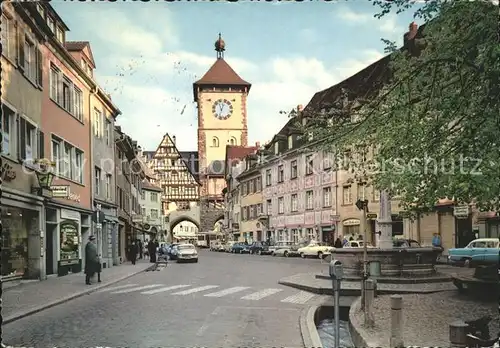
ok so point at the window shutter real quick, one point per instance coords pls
(20, 48)
(39, 63)
(41, 145)
(22, 139)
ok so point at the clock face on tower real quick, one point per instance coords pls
(222, 109)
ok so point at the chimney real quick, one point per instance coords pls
(257, 144)
(174, 139)
(300, 107)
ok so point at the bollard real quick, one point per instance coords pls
(369, 298)
(458, 334)
(396, 321)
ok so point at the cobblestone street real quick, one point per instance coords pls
(225, 300)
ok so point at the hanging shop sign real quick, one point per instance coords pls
(69, 243)
(351, 222)
(8, 173)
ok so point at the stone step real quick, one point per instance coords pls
(397, 280)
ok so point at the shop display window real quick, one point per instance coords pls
(14, 242)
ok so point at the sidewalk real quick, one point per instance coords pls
(28, 298)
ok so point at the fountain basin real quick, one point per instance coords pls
(318, 327)
(397, 262)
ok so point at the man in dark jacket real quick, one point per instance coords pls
(152, 251)
(133, 252)
(91, 259)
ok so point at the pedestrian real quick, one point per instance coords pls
(338, 243)
(99, 268)
(133, 252)
(140, 247)
(91, 259)
(152, 251)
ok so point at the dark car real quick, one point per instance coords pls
(172, 251)
(260, 248)
(405, 243)
(240, 248)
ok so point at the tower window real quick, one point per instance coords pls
(232, 141)
(215, 142)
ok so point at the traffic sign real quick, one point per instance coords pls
(371, 216)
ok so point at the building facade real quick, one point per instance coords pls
(137, 170)
(23, 88)
(221, 99)
(151, 206)
(124, 157)
(103, 114)
(234, 166)
(251, 207)
(66, 124)
(175, 174)
(299, 193)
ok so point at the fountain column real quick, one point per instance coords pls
(384, 221)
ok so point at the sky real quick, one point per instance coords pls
(149, 54)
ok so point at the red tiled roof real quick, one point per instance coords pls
(75, 45)
(220, 73)
(239, 152)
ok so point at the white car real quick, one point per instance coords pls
(228, 246)
(186, 253)
(357, 244)
(316, 249)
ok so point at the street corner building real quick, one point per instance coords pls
(58, 149)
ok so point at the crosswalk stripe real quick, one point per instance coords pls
(117, 287)
(227, 291)
(261, 294)
(192, 291)
(155, 291)
(299, 298)
(137, 289)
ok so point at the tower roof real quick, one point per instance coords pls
(220, 73)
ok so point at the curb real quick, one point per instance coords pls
(68, 298)
(310, 336)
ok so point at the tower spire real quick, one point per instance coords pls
(220, 47)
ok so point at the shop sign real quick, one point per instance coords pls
(60, 191)
(67, 214)
(136, 218)
(351, 222)
(147, 226)
(69, 243)
(8, 173)
(461, 211)
(74, 197)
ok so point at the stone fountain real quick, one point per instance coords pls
(387, 261)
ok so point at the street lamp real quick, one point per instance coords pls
(44, 176)
(363, 206)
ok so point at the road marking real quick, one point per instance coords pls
(299, 298)
(155, 291)
(137, 289)
(261, 294)
(192, 291)
(117, 287)
(227, 291)
(202, 330)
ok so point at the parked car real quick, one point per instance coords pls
(479, 251)
(286, 249)
(186, 253)
(214, 245)
(315, 248)
(260, 248)
(228, 246)
(357, 244)
(240, 248)
(172, 251)
(405, 243)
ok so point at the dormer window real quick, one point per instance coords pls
(51, 24)
(40, 10)
(276, 148)
(290, 142)
(60, 35)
